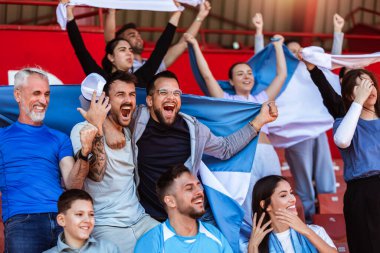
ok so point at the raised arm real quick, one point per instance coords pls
(109, 25)
(211, 83)
(175, 51)
(88, 63)
(149, 69)
(258, 22)
(225, 147)
(346, 130)
(96, 116)
(338, 34)
(281, 70)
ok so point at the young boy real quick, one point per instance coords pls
(76, 216)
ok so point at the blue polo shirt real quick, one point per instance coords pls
(30, 178)
(163, 238)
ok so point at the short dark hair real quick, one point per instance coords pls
(166, 180)
(231, 69)
(166, 74)
(119, 75)
(287, 42)
(68, 197)
(125, 27)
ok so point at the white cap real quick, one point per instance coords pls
(92, 82)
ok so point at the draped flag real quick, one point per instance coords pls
(302, 114)
(147, 5)
(318, 57)
(225, 182)
(263, 65)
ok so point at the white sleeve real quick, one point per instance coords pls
(346, 129)
(337, 43)
(259, 43)
(321, 232)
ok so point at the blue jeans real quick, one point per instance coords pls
(32, 233)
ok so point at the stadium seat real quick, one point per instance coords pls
(334, 225)
(341, 185)
(330, 203)
(342, 247)
(338, 167)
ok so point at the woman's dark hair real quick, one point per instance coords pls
(110, 47)
(348, 84)
(231, 70)
(262, 191)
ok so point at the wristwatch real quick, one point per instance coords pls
(81, 156)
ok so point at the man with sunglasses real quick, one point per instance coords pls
(164, 137)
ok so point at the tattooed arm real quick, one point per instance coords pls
(96, 115)
(98, 160)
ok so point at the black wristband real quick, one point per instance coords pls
(81, 156)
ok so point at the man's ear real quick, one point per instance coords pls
(230, 81)
(170, 201)
(17, 95)
(61, 220)
(149, 101)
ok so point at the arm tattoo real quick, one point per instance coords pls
(98, 160)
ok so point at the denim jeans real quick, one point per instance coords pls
(31, 233)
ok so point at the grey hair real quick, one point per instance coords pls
(22, 75)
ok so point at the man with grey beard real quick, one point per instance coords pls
(33, 159)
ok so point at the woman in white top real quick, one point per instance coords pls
(241, 78)
(279, 228)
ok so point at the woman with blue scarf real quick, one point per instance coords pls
(279, 229)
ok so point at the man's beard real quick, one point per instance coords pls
(137, 50)
(36, 117)
(192, 212)
(161, 118)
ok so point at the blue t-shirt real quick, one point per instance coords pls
(163, 238)
(30, 178)
(361, 158)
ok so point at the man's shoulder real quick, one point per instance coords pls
(210, 229)
(52, 250)
(150, 239)
(77, 127)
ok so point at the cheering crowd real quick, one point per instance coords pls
(127, 179)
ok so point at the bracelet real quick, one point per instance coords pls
(251, 123)
(82, 157)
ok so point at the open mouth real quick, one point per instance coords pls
(169, 109)
(39, 108)
(125, 111)
(198, 201)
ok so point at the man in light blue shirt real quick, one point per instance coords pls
(183, 199)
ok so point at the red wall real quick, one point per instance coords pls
(53, 52)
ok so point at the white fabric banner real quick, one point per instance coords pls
(301, 113)
(146, 5)
(318, 57)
